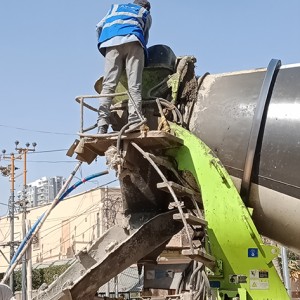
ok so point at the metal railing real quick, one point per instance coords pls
(80, 100)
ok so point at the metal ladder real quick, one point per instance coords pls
(192, 219)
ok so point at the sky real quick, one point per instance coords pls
(48, 56)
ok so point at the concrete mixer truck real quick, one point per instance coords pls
(216, 159)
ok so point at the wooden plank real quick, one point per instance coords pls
(150, 140)
(179, 190)
(201, 256)
(71, 150)
(192, 220)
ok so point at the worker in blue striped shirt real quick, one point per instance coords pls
(122, 39)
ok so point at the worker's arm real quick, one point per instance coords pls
(147, 28)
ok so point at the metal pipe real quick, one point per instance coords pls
(160, 173)
(286, 271)
(123, 130)
(81, 100)
(55, 201)
(194, 274)
(107, 289)
(116, 287)
(4, 256)
(100, 96)
(36, 224)
(136, 107)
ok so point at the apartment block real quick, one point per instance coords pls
(43, 190)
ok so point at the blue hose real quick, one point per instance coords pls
(66, 193)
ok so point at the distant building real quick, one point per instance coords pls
(43, 190)
(74, 224)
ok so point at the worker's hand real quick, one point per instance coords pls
(98, 31)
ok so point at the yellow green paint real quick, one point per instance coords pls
(231, 231)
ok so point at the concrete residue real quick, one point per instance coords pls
(111, 246)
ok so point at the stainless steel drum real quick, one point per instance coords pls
(222, 117)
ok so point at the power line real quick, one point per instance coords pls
(52, 162)
(49, 151)
(108, 183)
(90, 209)
(39, 131)
(94, 207)
(49, 161)
(59, 244)
(45, 151)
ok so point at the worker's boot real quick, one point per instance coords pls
(102, 129)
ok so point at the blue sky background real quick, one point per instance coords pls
(48, 56)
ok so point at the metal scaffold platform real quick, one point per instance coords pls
(88, 148)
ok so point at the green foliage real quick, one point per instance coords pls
(51, 273)
(39, 276)
(18, 281)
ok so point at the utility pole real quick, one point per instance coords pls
(10, 170)
(23, 204)
(29, 267)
